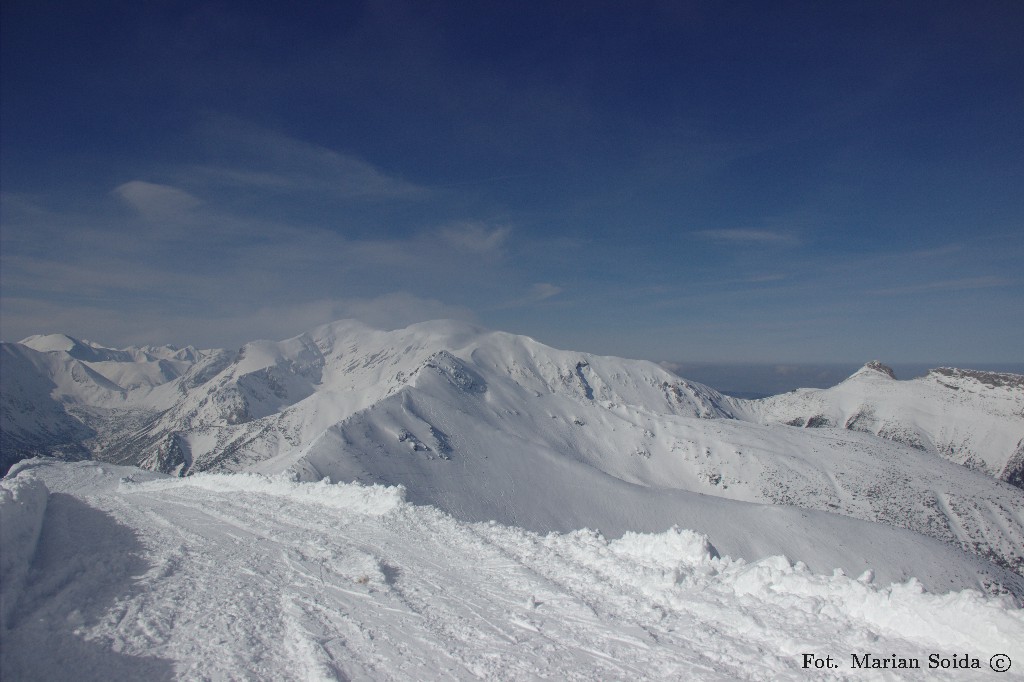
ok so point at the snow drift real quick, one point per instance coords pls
(22, 506)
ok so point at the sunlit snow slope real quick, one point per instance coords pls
(115, 573)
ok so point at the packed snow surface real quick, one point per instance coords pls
(118, 573)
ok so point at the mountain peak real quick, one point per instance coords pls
(51, 342)
(874, 367)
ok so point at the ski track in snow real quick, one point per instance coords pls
(249, 577)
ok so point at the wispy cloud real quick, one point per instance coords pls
(741, 236)
(245, 178)
(963, 284)
(174, 260)
(538, 292)
(475, 237)
(216, 326)
(936, 252)
(400, 309)
(154, 201)
(542, 291)
(264, 159)
(765, 279)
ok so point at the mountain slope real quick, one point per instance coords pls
(972, 418)
(68, 398)
(129, 368)
(559, 459)
(276, 398)
(33, 421)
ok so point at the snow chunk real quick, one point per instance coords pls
(669, 549)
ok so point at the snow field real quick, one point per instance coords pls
(249, 577)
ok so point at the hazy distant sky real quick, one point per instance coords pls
(766, 181)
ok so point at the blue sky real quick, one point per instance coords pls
(668, 180)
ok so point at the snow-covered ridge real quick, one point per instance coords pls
(239, 576)
(276, 397)
(33, 418)
(987, 379)
(128, 368)
(968, 417)
(83, 349)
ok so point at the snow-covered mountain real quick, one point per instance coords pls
(94, 376)
(33, 420)
(487, 425)
(68, 398)
(150, 365)
(972, 418)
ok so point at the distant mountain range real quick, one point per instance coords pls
(753, 380)
(488, 425)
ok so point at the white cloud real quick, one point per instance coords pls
(475, 238)
(543, 290)
(155, 202)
